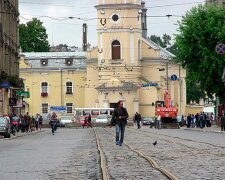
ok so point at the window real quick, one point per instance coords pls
(44, 62)
(44, 87)
(44, 108)
(115, 17)
(115, 49)
(69, 88)
(69, 107)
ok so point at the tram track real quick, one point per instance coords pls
(151, 161)
(156, 135)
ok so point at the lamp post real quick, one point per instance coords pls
(167, 74)
(61, 89)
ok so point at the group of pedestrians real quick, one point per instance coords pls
(25, 123)
(199, 120)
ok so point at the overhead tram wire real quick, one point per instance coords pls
(90, 19)
(159, 6)
(52, 4)
(77, 24)
(178, 4)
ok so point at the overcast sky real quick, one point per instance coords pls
(69, 31)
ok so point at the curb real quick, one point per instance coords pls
(21, 135)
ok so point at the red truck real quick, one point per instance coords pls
(167, 112)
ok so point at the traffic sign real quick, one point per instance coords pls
(173, 77)
(220, 48)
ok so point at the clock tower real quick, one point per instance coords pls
(119, 32)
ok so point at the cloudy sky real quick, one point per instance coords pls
(54, 15)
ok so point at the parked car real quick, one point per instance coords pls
(102, 118)
(64, 120)
(5, 127)
(148, 121)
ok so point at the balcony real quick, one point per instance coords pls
(44, 94)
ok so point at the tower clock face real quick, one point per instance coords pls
(115, 18)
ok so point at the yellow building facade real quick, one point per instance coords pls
(53, 79)
(129, 67)
(125, 65)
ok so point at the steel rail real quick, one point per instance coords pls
(151, 161)
(185, 145)
(103, 162)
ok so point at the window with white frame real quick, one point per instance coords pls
(44, 108)
(69, 88)
(44, 87)
(69, 108)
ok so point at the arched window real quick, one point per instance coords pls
(116, 50)
(44, 87)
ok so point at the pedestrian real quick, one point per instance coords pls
(137, 118)
(188, 120)
(40, 121)
(158, 122)
(119, 118)
(89, 120)
(52, 122)
(36, 124)
(222, 121)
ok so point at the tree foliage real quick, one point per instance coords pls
(163, 42)
(33, 37)
(201, 29)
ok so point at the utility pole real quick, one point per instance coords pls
(84, 37)
(180, 89)
(167, 74)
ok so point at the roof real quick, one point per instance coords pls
(56, 59)
(35, 55)
(164, 54)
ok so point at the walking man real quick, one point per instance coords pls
(119, 118)
(137, 118)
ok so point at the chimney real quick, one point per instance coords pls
(84, 37)
(144, 20)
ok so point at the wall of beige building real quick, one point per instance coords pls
(57, 87)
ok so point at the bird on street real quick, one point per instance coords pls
(154, 143)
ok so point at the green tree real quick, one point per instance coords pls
(163, 42)
(33, 37)
(157, 40)
(200, 30)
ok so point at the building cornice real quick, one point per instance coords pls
(113, 30)
(91, 60)
(119, 6)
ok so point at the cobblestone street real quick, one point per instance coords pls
(73, 154)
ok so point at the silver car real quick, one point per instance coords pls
(5, 127)
(102, 118)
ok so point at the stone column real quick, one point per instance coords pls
(136, 105)
(124, 101)
(96, 103)
(105, 103)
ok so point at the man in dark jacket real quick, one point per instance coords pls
(137, 118)
(119, 118)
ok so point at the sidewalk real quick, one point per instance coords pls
(19, 134)
(213, 128)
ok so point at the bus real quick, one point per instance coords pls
(81, 113)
